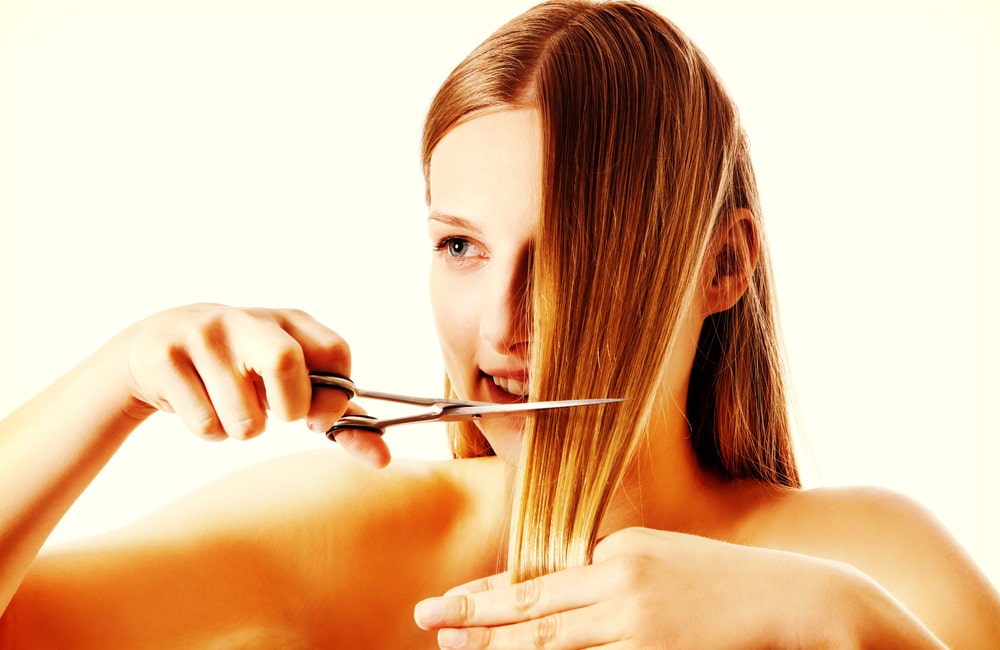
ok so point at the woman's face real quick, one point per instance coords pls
(485, 179)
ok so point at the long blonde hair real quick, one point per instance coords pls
(643, 158)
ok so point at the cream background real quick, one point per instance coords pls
(159, 153)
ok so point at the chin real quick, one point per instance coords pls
(506, 437)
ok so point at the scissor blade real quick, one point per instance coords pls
(495, 409)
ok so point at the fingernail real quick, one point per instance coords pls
(452, 638)
(429, 612)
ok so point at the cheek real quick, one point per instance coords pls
(456, 316)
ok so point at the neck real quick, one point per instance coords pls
(664, 487)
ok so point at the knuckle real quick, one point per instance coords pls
(618, 543)
(465, 609)
(629, 570)
(545, 632)
(526, 595)
(287, 358)
(340, 355)
(630, 537)
(233, 318)
(207, 426)
(294, 314)
(487, 639)
(608, 547)
(245, 428)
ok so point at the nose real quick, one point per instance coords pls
(505, 321)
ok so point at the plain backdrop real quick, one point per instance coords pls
(265, 153)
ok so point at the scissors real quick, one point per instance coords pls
(439, 409)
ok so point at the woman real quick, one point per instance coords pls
(596, 232)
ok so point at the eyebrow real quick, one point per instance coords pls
(453, 221)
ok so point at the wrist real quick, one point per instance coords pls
(102, 382)
(111, 366)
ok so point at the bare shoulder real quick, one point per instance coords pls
(827, 517)
(372, 541)
(888, 536)
(860, 525)
(313, 549)
(390, 537)
(406, 509)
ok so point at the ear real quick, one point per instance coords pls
(732, 258)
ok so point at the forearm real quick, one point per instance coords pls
(50, 450)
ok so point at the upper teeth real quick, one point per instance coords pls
(512, 386)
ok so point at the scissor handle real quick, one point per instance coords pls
(330, 380)
(355, 422)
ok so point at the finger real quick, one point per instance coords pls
(327, 406)
(587, 627)
(185, 395)
(366, 446)
(531, 599)
(633, 541)
(324, 350)
(482, 584)
(233, 395)
(277, 357)
(324, 421)
(233, 352)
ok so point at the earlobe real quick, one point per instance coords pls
(731, 261)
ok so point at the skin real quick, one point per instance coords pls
(315, 550)
(479, 271)
(728, 541)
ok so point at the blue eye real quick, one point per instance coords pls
(456, 247)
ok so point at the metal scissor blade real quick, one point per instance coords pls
(444, 412)
(480, 411)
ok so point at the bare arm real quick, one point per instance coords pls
(51, 448)
(304, 551)
(218, 368)
(844, 569)
(907, 562)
